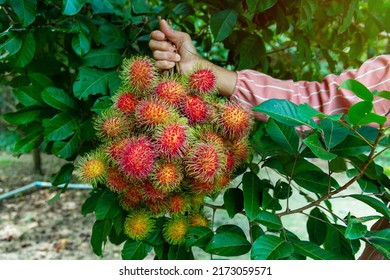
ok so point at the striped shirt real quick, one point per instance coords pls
(253, 87)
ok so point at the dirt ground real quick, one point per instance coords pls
(33, 229)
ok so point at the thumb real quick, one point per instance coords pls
(176, 37)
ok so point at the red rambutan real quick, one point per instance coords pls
(151, 193)
(126, 103)
(241, 150)
(138, 158)
(116, 182)
(139, 74)
(195, 109)
(202, 188)
(177, 203)
(115, 149)
(130, 198)
(167, 176)
(234, 120)
(170, 91)
(173, 139)
(152, 112)
(202, 81)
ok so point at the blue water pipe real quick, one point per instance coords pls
(40, 184)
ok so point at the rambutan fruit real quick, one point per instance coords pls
(126, 102)
(195, 109)
(152, 112)
(177, 203)
(202, 81)
(241, 150)
(197, 200)
(175, 230)
(116, 181)
(157, 207)
(110, 124)
(205, 162)
(139, 75)
(207, 134)
(202, 188)
(167, 176)
(92, 168)
(150, 192)
(115, 149)
(198, 220)
(170, 91)
(138, 225)
(172, 140)
(230, 161)
(131, 198)
(138, 158)
(234, 120)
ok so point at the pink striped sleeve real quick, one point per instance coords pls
(253, 87)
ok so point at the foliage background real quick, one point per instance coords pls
(61, 58)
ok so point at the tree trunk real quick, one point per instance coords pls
(37, 161)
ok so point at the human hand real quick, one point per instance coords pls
(172, 48)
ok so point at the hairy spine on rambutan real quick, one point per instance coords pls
(241, 150)
(205, 162)
(126, 102)
(92, 168)
(198, 219)
(150, 192)
(202, 81)
(152, 112)
(173, 139)
(234, 120)
(175, 230)
(138, 158)
(138, 225)
(170, 91)
(177, 203)
(167, 176)
(115, 148)
(208, 134)
(116, 181)
(195, 109)
(139, 75)
(110, 125)
(130, 198)
(202, 188)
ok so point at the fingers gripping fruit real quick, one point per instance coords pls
(167, 142)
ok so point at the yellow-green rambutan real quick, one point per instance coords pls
(110, 125)
(139, 224)
(92, 168)
(198, 219)
(178, 203)
(175, 230)
(131, 198)
(167, 176)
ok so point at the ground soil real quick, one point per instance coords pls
(33, 229)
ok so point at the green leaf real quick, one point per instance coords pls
(355, 229)
(29, 142)
(91, 82)
(100, 231)
(23, 116)
(384, 94)
(233, 201)
(26, 52)
(223, 23)
(107, 57)
(368, 186)
(135, 250)
(358, 88)
(286, 112)
(40, 81)
(26, 10)
(256, 231)
(80, 44)
(337, 165)
(59, 99)
(314, 144)
(285, 136)
(111, 35)
(11, 46)
(270, 247)
(67, 149)
(231, 229)
(337, 243)
(101, 104)
(334, 132)
(351, 146)
(72, 7)
(199, 237)
(251, 185)
(252, 51)
(60, 127)
(376, 204)
(179, 252)
(64, 175)
(107, 206)
(269, 220)
(228, 244)
(349, 10)
(258, 6)
(89, 204)
(316, 226)
(315, 181)
(282, 190)
(360, 114)
(313, 251)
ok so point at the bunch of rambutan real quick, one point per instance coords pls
(167, 142)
